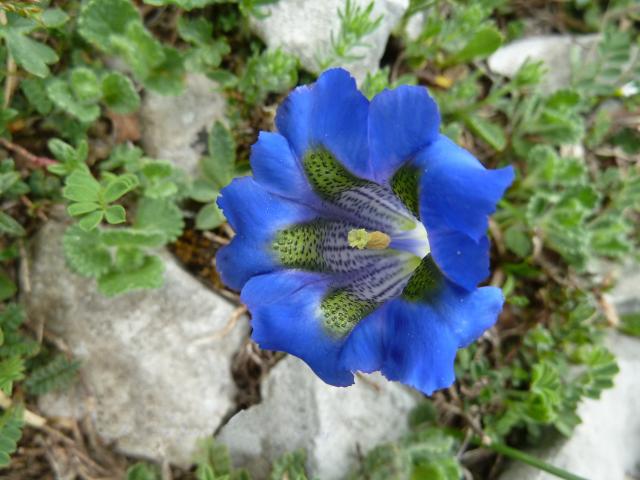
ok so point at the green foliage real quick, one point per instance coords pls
(213, 462)
(56, 374)
(272, 71)
(630, 324)
(356, 23)
(290, 466)
(142, 471)
(11, 424)
(116, 26)
(217, 169)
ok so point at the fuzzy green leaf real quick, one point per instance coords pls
(483, 43)
(35, 91)
(488, 131)
(62, 96)
(120, 186)
(84, 85)
(76, 209)
(119, 93)
(115, 214)
(10, 226)
(218, 166)
(54, 18)
(85, 253)
(11, 370)
(11, 424)
(7, 287)
(149, 275)
(100, 20)
(31, 55)
(91, 220)
(142, 471)
(209, 217)
(129, 237)
(160, 216)
(57, 374)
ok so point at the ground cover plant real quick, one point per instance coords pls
(73, 78)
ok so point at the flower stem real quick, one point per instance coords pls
(533, 461)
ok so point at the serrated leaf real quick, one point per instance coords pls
(218, 166)
(149, 275)
(31, 55)
(11, 370)
(100, 20)
(84, 85)
(11, 424)
(76, 209)
(115, 214)
(129, 237)
(160, 215)
(62, 96)
(36, 93)
(85, 253)
(120, 186)
(80, 186)
(488, 131)
(9, 226)
(119, 93)
(91, 220)
(209, 217)
(57, 374)
(66, 153)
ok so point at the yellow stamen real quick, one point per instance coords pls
(359, 238)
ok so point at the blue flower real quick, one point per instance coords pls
(361, 236)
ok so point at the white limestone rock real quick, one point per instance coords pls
(147, 381)
(298, 410)
(175, 127)
(304, 28)
(554, 50)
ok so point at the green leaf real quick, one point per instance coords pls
(161, 216)
(9, 226)
(129, 237)
(76, 209)
(31, 55)
(490, 132)
(518, 241)
(57, 374)
(483, 43)
(115, 214)
(209, 217)
(218, 166)
(120, 186)
(101, 20)
(62, 96)
(11, 370)
(149, 275)
(204, 191)
(186, 4)
(35, 91)
(84, 85)
(67, 154)
(54, 18)
(142, 471)
(11, 424)
(119, 93)
(85, 253)
(7, 287)
(91, 221)
(290, 465)
(80, 186)
(211, 457)
(630, 324)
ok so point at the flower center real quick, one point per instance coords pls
(359, 238)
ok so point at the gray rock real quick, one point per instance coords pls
(147, 380)
(300, 411)
(304, 29)
(606, 445)
(554, 50)
(175, 127)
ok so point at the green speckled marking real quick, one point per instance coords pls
(405, 185)
(328, 178)
(300, 247)
(342, 311)
(425, 281)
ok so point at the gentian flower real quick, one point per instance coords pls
(361, 236)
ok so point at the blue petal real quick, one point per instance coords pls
(331, 113)
(255, 215)
(416, 343)
(456, 191)
(285, 308)
(401, 122)
(276, 168)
